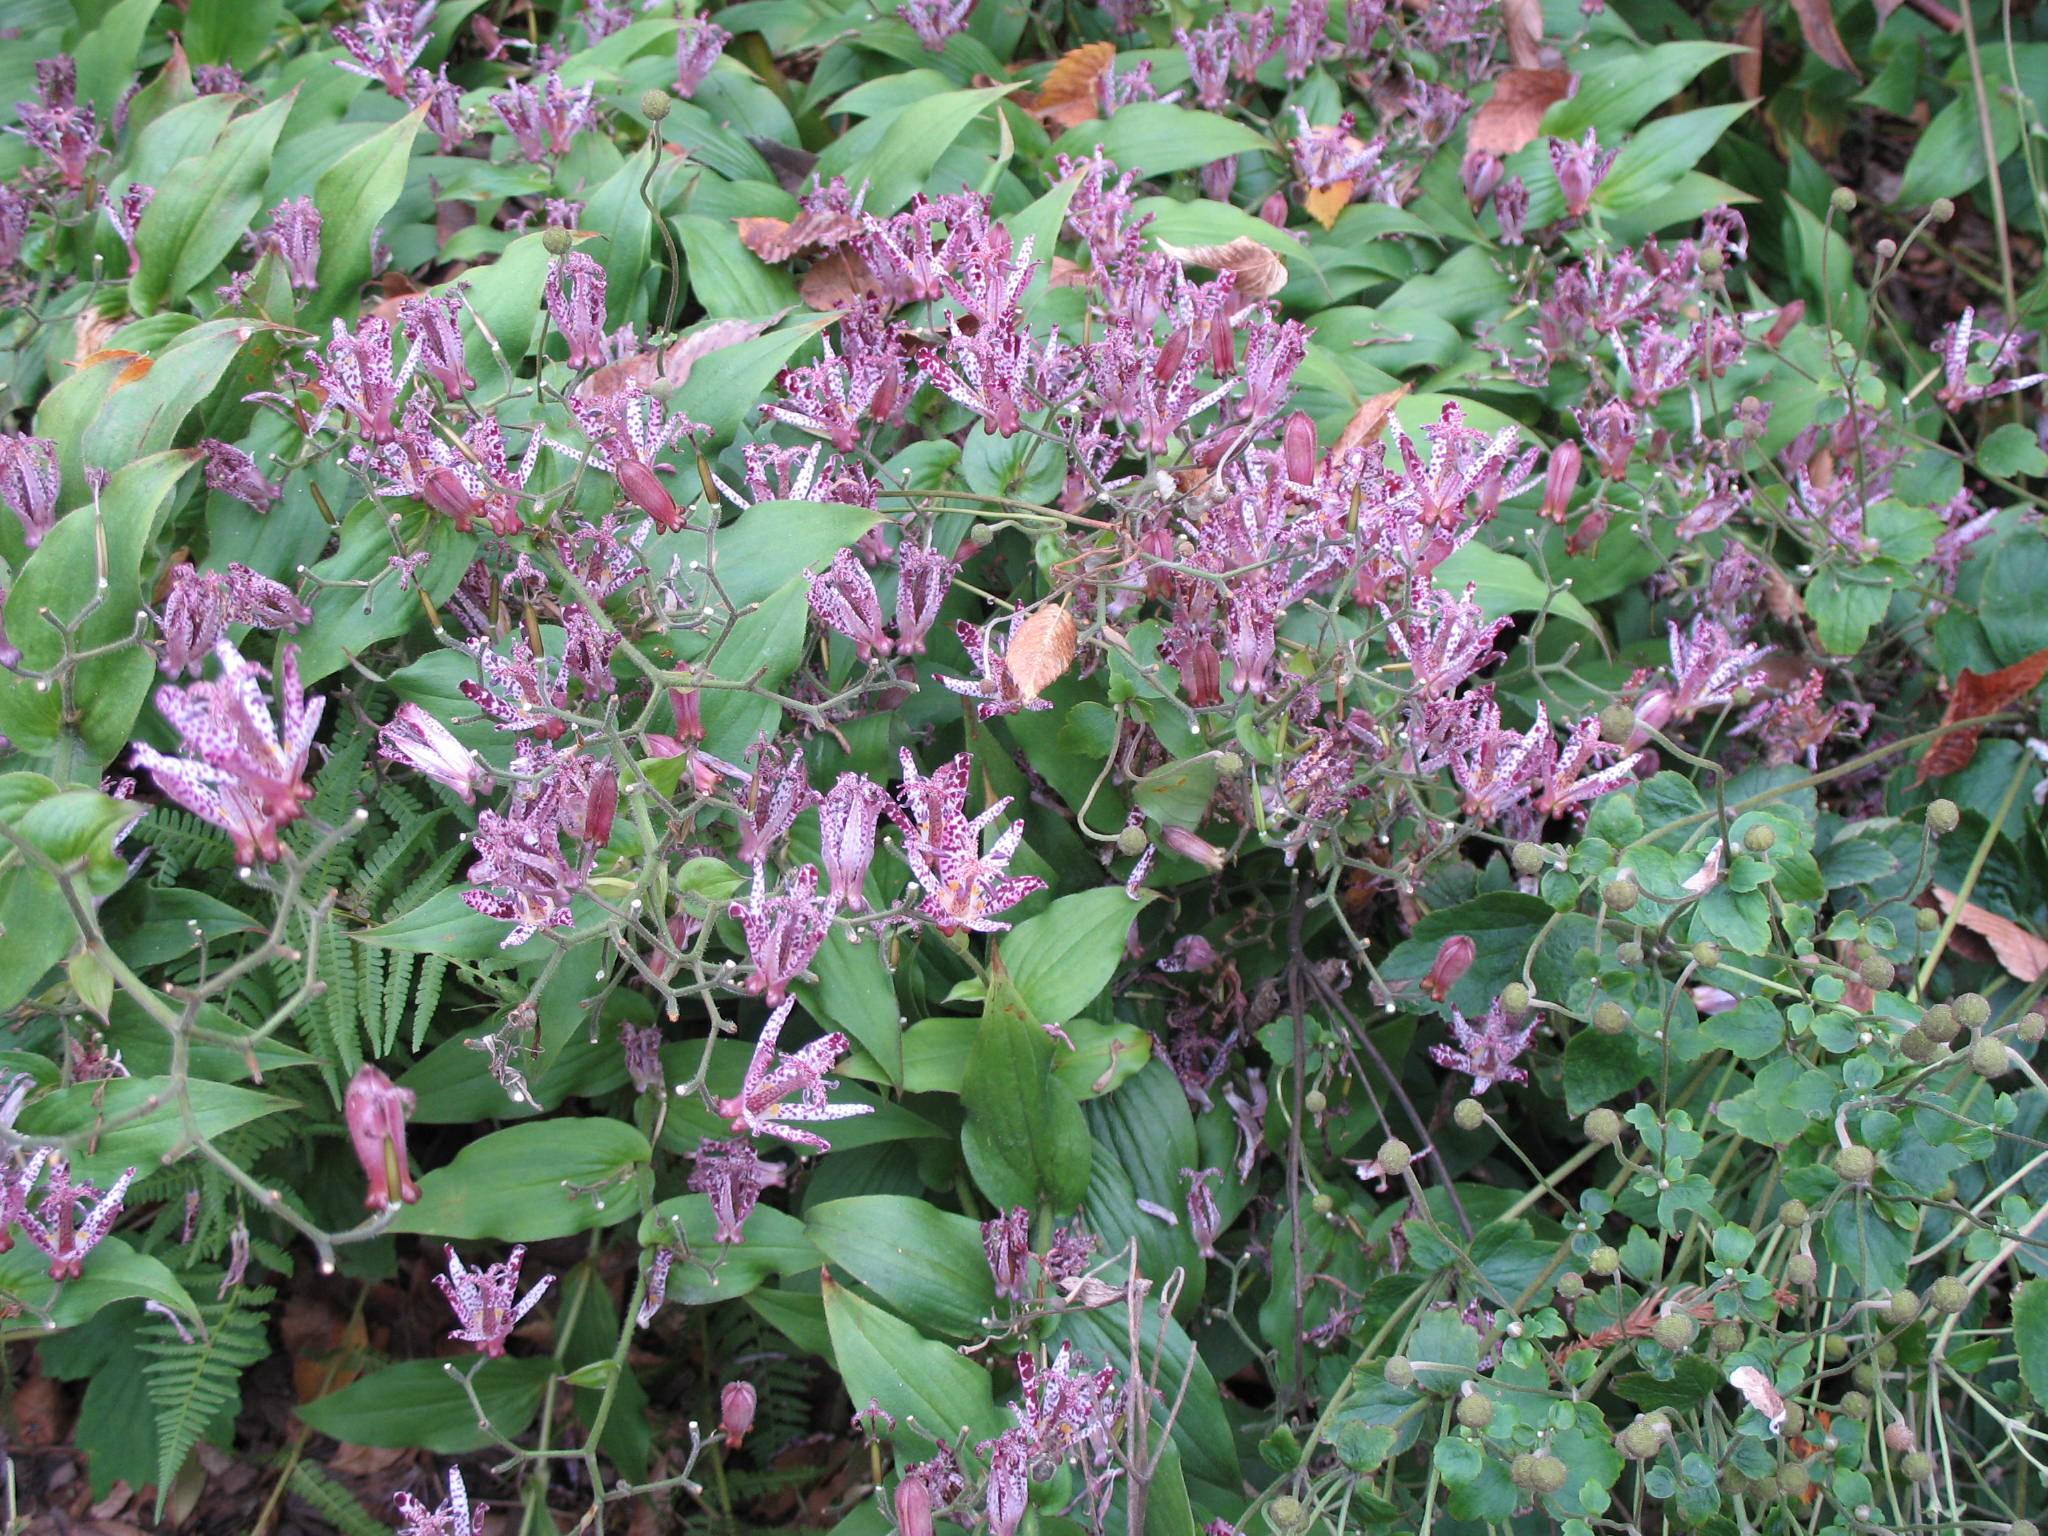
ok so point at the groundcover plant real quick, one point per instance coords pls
(1022, 768)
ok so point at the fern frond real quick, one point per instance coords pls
(194, 1385)
(335, 1502)
(342, 1004)
(182, 842)
(428, 881)
(427, 997)
(397, 993)
(389, 859)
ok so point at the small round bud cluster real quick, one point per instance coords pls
(1610, 1018)
(1706, 954)
(1943, 817)
(1538, 1474)
(1398, 1372)
(1973, 1011)
(1899, 1437)
(1727, 1336)
(1629, 954)
(1940, 1024)
(557, 241)
(1394, 1157)
(1322, 1205)
(1604, 1260)
(1987, 1058)
(1475, 1411)
(1917, 1048)
(1877, 973)
(1132, 841)
(1468, 1115)
(1229, 763)
(1948, 1295)
(1865, 1377)
(1834, 1349)
(1675, 1331)
(1617, 724)
(1759, 839)
(1941, 210)
(1855, 1405)
(1900, 1308)
(1620, 894)
(1855, 1165)
(1794, 1214)
(982, 535)
(1284, 1513)
(1527, 859)
(655, 104)
(1926, 919)
(1603, 1126)
(1315, 1101)
(1643, 1439)
(1916, 1468)
(2030, 1029)
(1514, 997)
(1794, 1482)
(1571, 1285)
(1842, 200)
(1711, 260)
(1801, 1269)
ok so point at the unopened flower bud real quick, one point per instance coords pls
(1948, 1295)
(1571, 1285)
(1538, 1474)
(1941, 210)
(1642, 1440)
(1726, 1336)
(1620, 894)
(914, 1506)
(655, 104)
(1916, 1468)
(1628, 954)
(1940, 1024)
(736, 1401)
(1475, 1411)
(1854, 1405)
(1394, 1157)
(1987, 1058)
(1855, 1165)
(1712, 260)
(1801, 1269)
(1515, 999)
(1877, 972)
(375, 1109)
(1481, 173)
(1603, 1126)
(1298, 447)
(1468, 1115)
(1610, 1018)
(1900, 1308)
(1885, 249)
(1787, 321)
(1794, 1214)
(557, 241)
(1899, 1437)
(1132, 841)
(1675, 1331)
(1842, 200)
(1942, 817)
(1527, 859)
(1604, 1260)
(1759, 839)
(1315, 1101)
(1972, 1010)
(1274, 210)
(1229, 763)
(1706, 954)
(2030, 1029)
(1453, 959)
(1794, 1483)
(1617, 724)
(1561, 479)
(1189, 846)
(1398, 1372)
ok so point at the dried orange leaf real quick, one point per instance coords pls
(1370, 419)
(1258, 268)
(1976, 695)
(1817, 23)
(837, 281)
(1524, 20)
(1070, 90)
(1513, 115)
(767, 238)
(1749, 64)
(1041, 650)
(1325, 203)
(661, 370)
(1067, 273)
(2024, 956)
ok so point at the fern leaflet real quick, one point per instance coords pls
(198, 1384)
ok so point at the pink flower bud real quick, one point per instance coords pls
(600, 808)
(643, 487)
(375, 1109)
(1185, 843)
(736, 1411)
(1561, 480)
(1201, 675)
(1453, 959)
(914, 1506)
(1788, 317)
(1274, 210)
(1298, 448)
(1481, 174)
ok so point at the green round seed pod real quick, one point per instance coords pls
(1943, 817)
(1642, 1440)
(981, 535)
(1834, 1349)
(1132, 841)
(1604, 1260)
(1727, 1336)
(1548, 1475)
(1886, 1356)
(1476, 1411)
(1629, 954)
(1610, 1018)
(1855, 1165)
(2023, 1528)
(1987, 1058)
(1571, 1285)
(1514, 997)
(1322, 1205)
(1398, 1372)
(1877, 972)
(557, 241)
(1865, 1377)
(1711, 260)
(1468, 1115)
(1603, 1126)
(1973, 1011)
(1794, 1482)
(1940, 1024)
(1795, 1419)
(1801, 1269)
(1394, 1157)
(1760, 839)
(1617, 724)
(1793, 1213)
(1315, 1101)
(1948, 1295)
(655, 104)
(1945, 1192)
(1915, 1046)
(1941, 210)
(1856, 1405)
(1284, 1513)
(1527, 859)
(1675, 1331)
(2030, 1029)
(1900, 1308)
(1842, 200)
(1706, 954)
(1229, 764)
(1926, 919)
(1916, 1468)
(1621, 894)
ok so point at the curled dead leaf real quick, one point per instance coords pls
(1325, 203)
(838, 280)
(1068, 273)
(1513, 115)
(777, 240)
(662, 370)
(1042, 650)
(1975, 696)
(2024, 955)
(1370, 420)
(1524, 19)
(1070, 94)
(1817, 25)
(1259, 271)
(1748, 65)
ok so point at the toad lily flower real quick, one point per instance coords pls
(783, 931)
(482, 1299)
(418, 740)
(964, 887)
(240, 773)
(1487, 1054)
(53, 1223)
(375, 1109)
(454, 1517)
(761, 1108)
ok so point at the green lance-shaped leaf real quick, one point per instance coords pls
(927, 1388)
(354, 195)
(199, 215)
(531, 1182)
(1025, 1140)
(926, 1264)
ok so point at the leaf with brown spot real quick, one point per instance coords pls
(1070, 90)
(1259, 271)
(1524, 20)
(1042, 650)
(1976, 695)
(2024, 955)
(1325, 203)
(1513, 115)
(1370, 420)
(1748, 65)
(1817, 24)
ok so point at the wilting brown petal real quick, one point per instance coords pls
(1042, 650)
(1070, 96)
(1817, 22)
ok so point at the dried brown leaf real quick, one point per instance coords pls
(1325, 203)
(1067, 273)
(838, 281)
(1070, 94)
(2024, 955)
(777, 240)
(1370, 419)
(766, 237)
(662, 370)
(1525, 32)
(1513, 115)
(1042, 650)
(1817, 25)
(1749, 64)
(1976, 695)
(1258, 268)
